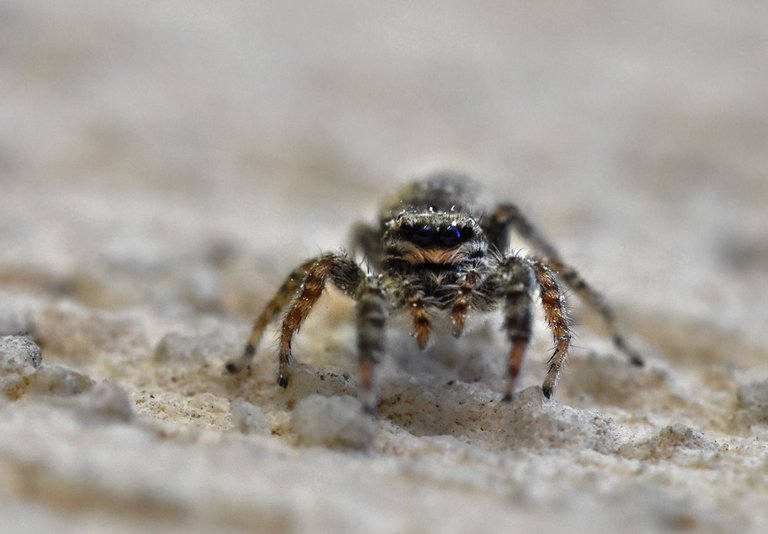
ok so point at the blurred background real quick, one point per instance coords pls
(183, 155)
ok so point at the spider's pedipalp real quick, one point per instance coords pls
(413, 299)
(467, 284)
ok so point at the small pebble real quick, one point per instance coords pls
(333, 421)
(105, 402)
(21, 350)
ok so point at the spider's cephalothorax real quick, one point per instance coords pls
(437, 251)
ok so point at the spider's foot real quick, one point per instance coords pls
(369, 408)
(282, 379)
(422, 340)
(634, 358)
(458, 326)
(548, 391)
(233, 367)
(507, 397)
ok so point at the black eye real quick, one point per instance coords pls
(424, 236)
(450, 236)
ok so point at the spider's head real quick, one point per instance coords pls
(435, 238)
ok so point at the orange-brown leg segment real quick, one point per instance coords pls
(467, 285)
(284, 295)
(422, 326)
(555, 311)
(515, 364)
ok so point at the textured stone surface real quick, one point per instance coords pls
(164, 165)
(20, 351)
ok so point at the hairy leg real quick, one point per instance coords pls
(598, 303)
(555, 311)
(343, 272)
(515, 284)
(371, 320)
(284, 295)
(467, 284)
(508, 217)
(302, 288)
(413, 299)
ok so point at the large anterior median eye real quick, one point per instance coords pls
(424, 236)
(449, 236)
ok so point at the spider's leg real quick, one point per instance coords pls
(413, 300)
(344, 273)
(467, 284)
(512, 281)
(508, 217)
(286, 292)
(556, 313)
(371, 320)
(598, 303)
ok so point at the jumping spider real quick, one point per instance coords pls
(437, 251)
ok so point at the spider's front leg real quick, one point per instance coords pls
(467, 285)
(414, 301)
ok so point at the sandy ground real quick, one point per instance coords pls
(164, 164)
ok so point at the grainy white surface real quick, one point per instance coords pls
(164, 164)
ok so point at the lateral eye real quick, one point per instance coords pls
(450, 236)
(424, 236)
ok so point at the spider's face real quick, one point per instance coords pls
(434, 238)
